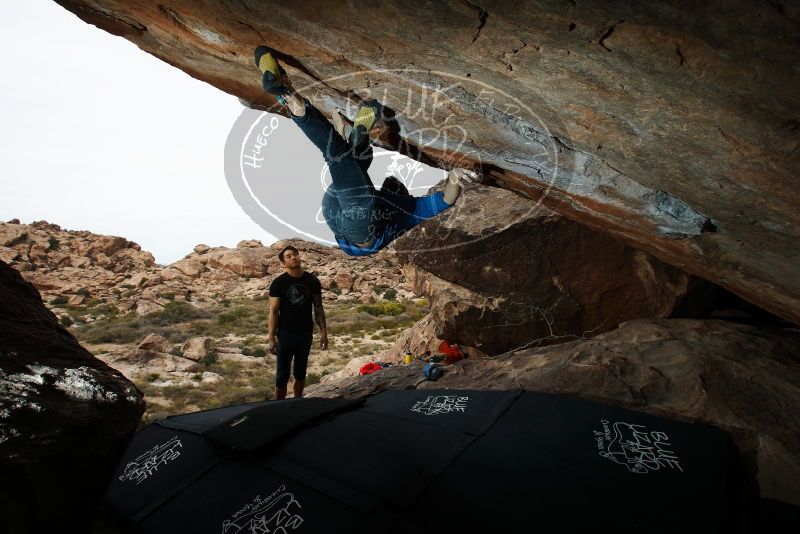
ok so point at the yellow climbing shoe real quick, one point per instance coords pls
(273, 74)
(367, 115)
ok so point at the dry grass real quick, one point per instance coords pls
(354, 330)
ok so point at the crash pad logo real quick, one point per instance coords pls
(441, 404)
(278, 512)
(633, 446)
(145, 465)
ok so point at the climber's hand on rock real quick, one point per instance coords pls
(454, 179)
(459, 175)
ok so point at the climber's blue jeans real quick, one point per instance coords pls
(349, 203)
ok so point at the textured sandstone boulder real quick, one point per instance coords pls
(189, 267)
(249, 243)
(503, 272)
(139, 363)
(8, 254)
(421, 339)
(351, 369)
(61, 263)
(243, 261)
(173, 273)
(744, 379)
(146, 306)
(65, 417)
(344, 280)
(138, 279)
(12, 235)
(153, 342)
(369, 297)
(201, 248)
(672, 126)
(76, 300)
(197, 348)
(80, 262)
(171, 363)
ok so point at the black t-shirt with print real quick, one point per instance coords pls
(296, 296)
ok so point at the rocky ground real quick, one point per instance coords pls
(79, 268)
(192, 335)
(230, 363)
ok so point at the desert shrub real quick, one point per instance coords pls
(176, 312)
(383, 308)
(177, 334)
(227, 397)
(335, 289)
(113, 330)
(259, 352)
(167, 295)
(312, 378)
(208, 359)
(232, 316)
(66, 320)
(130, 328)
(246, 318)
(53, 243)
(102, 309)
(390, 294)
(58, 301)
(82, 291)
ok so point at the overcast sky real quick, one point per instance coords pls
(97, 135)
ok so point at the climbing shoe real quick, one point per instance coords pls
(367, 115)
(393, 185)
(274, 77)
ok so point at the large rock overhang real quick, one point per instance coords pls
(672, 127)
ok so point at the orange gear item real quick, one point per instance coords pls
(451, 352)
(369, 368)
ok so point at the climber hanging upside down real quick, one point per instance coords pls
(363, 219)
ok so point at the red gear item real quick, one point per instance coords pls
(451, 352)
(370, 368)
